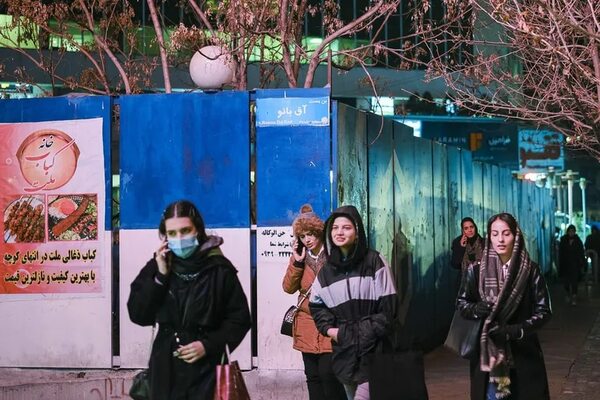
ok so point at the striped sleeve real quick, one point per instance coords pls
(385, 290)
(322, 315)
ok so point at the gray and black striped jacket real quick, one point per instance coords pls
(358, 298)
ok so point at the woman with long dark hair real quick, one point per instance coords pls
(192, 291)
(468, 247)
(508, 291)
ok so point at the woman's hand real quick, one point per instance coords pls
(332, 333)
(161, 258)
(463, 241)
(482, 309)
(192, 352)
(299, 255)
(502, 333)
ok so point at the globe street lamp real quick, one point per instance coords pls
(211, 67)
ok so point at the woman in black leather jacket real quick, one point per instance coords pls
(192, 291)
(508, 291)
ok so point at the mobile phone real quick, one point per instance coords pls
(299, 247)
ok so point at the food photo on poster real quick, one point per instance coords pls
(24, 220)
(72, 217)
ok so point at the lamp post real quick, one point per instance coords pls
(570, 177)
(582, 184)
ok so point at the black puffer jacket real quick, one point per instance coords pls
(211, 308)
(356, 295)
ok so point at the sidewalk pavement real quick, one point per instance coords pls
(570, 341)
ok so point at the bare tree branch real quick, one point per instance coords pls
(102, 44)
(161, 45)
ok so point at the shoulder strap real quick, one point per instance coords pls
(304, 295)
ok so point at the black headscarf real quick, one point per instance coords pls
(334, 254)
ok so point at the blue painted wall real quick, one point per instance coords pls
(185, 146)
(292, 166)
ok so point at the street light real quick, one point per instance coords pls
(570, 177)
(211, 67)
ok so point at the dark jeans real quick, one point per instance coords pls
(322, 383)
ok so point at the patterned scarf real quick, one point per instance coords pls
(506, 293)
(473, 251)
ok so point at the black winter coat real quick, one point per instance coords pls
(458, 252)
(528, 375)
(211, 308)
(571, 259)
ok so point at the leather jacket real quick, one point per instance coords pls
(533, 312)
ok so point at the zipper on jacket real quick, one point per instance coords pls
(348, 286)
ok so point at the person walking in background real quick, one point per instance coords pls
(571, 263)
(592, 243)
(353, 299)
(508, 291)
(468, 247)
(192, 291)
(308, 257)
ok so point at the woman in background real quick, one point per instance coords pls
(571, 265)
(307, 259)
(468, 247)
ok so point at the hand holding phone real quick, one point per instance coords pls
(299, 247)
(299, 250)
(162, 255)
(463, 241)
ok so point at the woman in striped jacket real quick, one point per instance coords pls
(352, 300)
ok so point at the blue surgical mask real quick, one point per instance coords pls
(184, 247)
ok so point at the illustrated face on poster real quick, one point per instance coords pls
(48, 159)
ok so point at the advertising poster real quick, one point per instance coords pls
(52, 205)
(540, 149)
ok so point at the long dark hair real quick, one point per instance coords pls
(512, 223)
(183, 208)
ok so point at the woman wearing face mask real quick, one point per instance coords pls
(192, 291)
(508, 291)
(353, 300)
(307, 259)
(468, 247)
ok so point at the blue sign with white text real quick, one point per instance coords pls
(292, 111)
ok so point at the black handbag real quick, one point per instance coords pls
(288, 321)
(287, 324)
(140, 388)
(463, 336)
